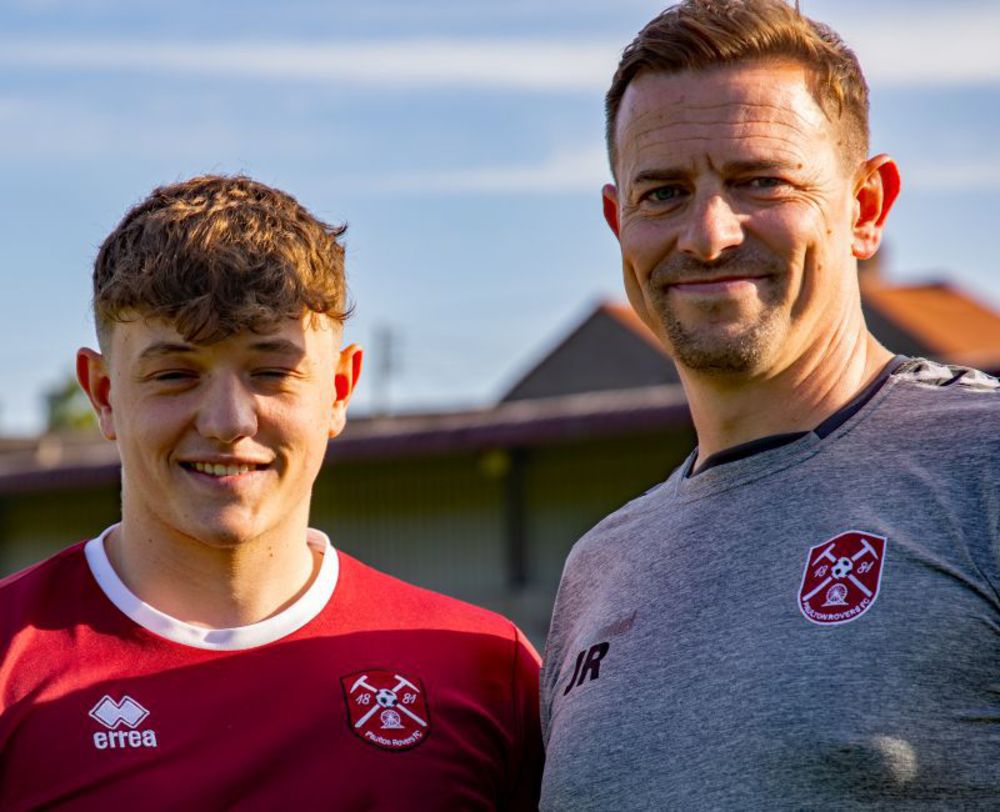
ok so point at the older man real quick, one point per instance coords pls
(805, 615)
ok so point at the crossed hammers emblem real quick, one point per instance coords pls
(386, 698)
(843, 568)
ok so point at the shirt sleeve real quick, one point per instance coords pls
(528, 755)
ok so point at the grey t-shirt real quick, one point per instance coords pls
(816, 626)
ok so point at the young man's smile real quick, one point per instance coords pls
(228, 474)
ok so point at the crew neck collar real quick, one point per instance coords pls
(768, 461)
(827, 427)
(289, 620)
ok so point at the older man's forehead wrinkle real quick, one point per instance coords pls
(658, 138)
(767, 112)
(779, 150)
(718, 129)
(722, 132)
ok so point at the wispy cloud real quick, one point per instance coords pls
(525, 65)
(979, 177)
(937, 46)
(934, 46)
(585, 169)
(569, 170)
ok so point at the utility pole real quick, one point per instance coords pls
(386, 364)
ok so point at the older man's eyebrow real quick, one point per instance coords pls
(751, 166)
(741, 167)
(659, 175)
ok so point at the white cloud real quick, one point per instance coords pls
(979, 177)
(585, 169)
(941, 45)
(569, 170)
(933, 46)
(525, 65)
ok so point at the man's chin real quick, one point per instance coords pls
(741, 353)
(724, 341)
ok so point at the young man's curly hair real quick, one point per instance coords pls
(214, 255)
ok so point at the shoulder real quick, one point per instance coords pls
(42, 596)
(955, 405)
(41, 578)
(600, 547)
(948, 384)
(602, 558)
(382, 601)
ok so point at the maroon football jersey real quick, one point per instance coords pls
(367, 693)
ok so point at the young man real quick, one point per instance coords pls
(805, 615)
(211, 651)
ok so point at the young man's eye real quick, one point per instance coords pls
(172, 375)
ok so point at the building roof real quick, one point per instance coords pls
(609, 349)
(953, 326)
(608, 376)
(612, 348)
(945, 322)
(626, 315)
(76, 461)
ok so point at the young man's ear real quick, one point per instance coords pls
(344, 381)
(95, 379)
(876, 190)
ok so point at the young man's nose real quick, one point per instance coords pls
(228, 411)
(711, 227)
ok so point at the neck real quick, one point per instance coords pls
(797, 397)
(212, 586)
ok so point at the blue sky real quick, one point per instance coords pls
(461, 140)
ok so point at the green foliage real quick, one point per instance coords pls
(67, 407)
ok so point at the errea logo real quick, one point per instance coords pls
(113, 715)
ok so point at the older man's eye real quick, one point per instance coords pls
(664, 194)
(765, 183)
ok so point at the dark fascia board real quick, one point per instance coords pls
(59, 478)
(543, 421)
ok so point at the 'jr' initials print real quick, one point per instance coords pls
(588, 665)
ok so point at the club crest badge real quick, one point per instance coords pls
(842, 578)
(386, 708)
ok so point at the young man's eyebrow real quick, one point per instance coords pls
(162, 348)
(277, 345)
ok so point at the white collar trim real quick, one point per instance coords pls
(242, 637)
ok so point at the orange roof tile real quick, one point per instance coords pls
(946, 320)
(949, 322)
